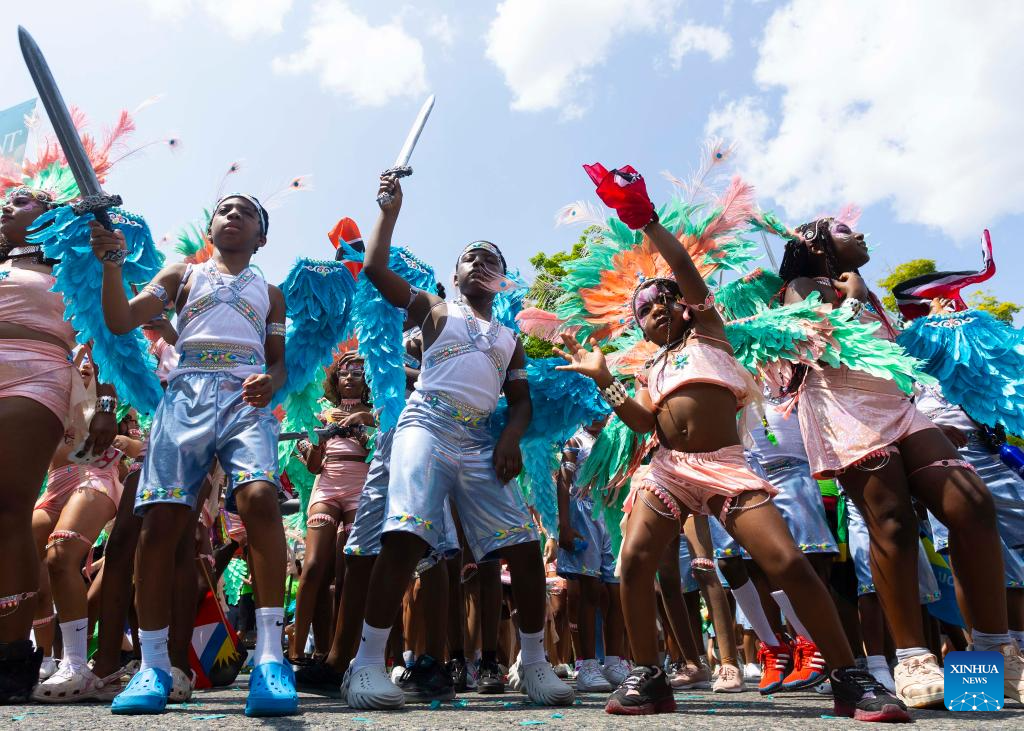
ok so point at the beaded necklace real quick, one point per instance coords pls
(481, 341)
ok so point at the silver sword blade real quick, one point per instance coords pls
(60, 118)
(414, 134)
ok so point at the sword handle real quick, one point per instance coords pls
(401, 171)
(97, 205)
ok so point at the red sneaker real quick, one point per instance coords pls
(775, 665)
(808, 666)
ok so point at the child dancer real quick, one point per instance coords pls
(866, 433)
(231, 343)
(442, 447)
(340, 462)
(79, 500)
(585, 556)
(694, 389)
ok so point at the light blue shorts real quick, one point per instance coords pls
(685, 570)
(202, 417)
(438, 456)
(799, 501)
(860, 553)
(364, 536)
(596, 559)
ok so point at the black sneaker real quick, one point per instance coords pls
(457, 668)
(316, 676)
(857, 695)
(644, 691)
(19, 671)
(491, 680)
(427, 680)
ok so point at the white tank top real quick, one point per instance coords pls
(223, 325)
(586, 440)
(469, 359)
(789, 440)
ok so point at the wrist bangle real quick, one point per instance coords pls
(115, 256)
(106, 405)
(614, 394)
(855, 305)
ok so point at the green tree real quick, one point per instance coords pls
(988, 302)
(901, 273)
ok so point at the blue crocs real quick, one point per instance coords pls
(272, 691)
(146, 694)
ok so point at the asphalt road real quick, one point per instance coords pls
(223, 709)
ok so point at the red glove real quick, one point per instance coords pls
(624, 190)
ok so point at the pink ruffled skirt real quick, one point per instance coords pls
(695, 478)
(848, 417)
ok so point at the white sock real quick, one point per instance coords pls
(908, 652)
(409, 657)
(750, 602)
(787, 609)
(76, 642)
(269, 629)
(878, 666)
(1018, 635)
(372, 646)
(153, 643)
(610, 660)
(533, 647)
(981, 640)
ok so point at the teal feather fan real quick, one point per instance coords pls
(124, 360)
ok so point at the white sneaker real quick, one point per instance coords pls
(48, 668)
(543, 686)
(590, 679)
(617, 672)
(823, 688)
(397, 672)
(346, 679)
(371, 688)
(515, 680)
(181, 686)
(752, 672)
(919, 681)
(67, 685)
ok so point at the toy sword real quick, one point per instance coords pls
(401, 167)
(93, 199)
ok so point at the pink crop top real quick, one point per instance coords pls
(697, 362)
(26, 300)
(343, 447)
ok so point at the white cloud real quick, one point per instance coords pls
(915, 103)
(546, 50)
(240, 19)
(372, 64)
(692, 38)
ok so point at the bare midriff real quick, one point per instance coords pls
(698, 417)
(10, 331)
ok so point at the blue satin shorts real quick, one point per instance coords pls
(436, 456)
(364, 537)
(596, 560)
(202, 417)
(799, 501)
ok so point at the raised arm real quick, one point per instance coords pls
(705, 317)
(395, 290)
(121, 314)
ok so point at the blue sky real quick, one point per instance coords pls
(911, 112)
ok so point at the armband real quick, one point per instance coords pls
(158, 291)
(276, 328)
(516, 374)
(115, 256)
(106, 405)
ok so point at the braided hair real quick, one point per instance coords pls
(797, 260)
